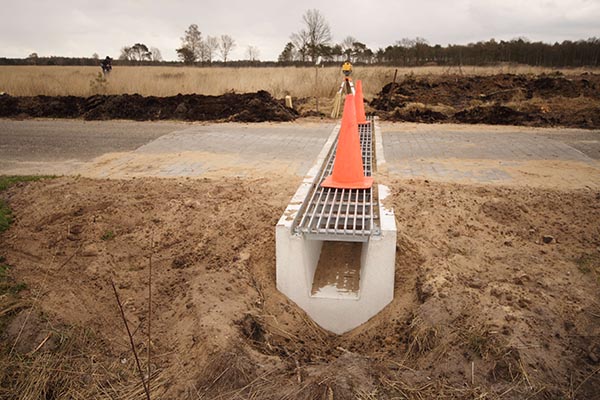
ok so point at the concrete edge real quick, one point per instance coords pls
(387, 217)
(291, 211)
(380, 157)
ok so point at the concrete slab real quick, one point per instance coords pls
(220, 149)
(123, 149)
(497, 155)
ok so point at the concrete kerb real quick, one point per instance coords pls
(297, 259)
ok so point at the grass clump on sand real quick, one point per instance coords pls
(6, 216)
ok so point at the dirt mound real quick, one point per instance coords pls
(485, 305)
(248, 107)
(544, 100)
(493, 114)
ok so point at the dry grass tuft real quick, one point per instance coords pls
(423, 337)
(59, 368)
(227, 371)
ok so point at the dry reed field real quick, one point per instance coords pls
(169, 81)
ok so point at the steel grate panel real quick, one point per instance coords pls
(341, 214)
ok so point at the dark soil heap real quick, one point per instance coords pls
(248, 107)
(505, 99)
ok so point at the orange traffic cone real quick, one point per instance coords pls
(360, 106)
(348, 166)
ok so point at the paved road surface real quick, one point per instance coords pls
(56, 140)
(493, 154)
(547, 157)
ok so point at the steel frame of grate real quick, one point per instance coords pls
(341, 214)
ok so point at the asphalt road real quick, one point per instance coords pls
(121, 149)
(57, 140)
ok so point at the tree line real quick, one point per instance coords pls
(313, 43)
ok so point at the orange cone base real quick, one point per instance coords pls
(365, 183)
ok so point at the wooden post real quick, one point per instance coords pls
(317, 87)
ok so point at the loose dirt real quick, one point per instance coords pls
(248, 107)
(506, 99)
(497, 295)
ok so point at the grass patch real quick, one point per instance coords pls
(5, 284)
(5, 216)
(589, 264)
(7, 181)
(108, 235)
(18, 287)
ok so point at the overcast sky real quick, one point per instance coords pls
(82, 27)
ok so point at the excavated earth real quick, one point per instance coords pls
(505, 99)
(248, 107)
(497, 295)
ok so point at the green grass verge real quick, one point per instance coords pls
(7, 181)
(5, 216)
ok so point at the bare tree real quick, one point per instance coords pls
(125, 53)
(252, 53)
(300, 41)
(347, 45)
(211, 45)
(192, 43)
(226, 45)
(155, 54)
(406, 43)
(318, 31)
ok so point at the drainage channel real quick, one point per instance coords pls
(341, 214)
(336, 249)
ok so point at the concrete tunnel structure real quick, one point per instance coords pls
(336, 248)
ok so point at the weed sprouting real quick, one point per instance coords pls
(108, 235)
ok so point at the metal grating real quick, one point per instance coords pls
(341, 214)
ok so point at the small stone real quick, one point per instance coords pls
(569, 325)
(521, 279)
(548, 239)
(523, 302)
(593, 357)
(190, 203)
(90, 251)
(76, 229)
(476, 283)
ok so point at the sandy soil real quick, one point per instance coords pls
(497, 295)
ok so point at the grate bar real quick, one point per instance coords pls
(341, 214)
